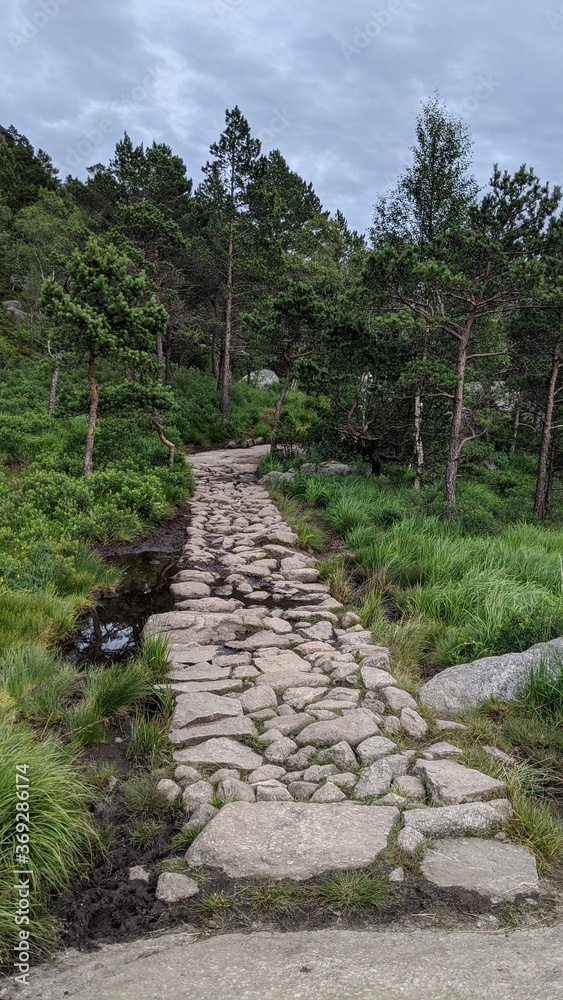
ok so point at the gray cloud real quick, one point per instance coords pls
(336, 87)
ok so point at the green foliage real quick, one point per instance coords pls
(61, 836)
(109, 690)
(355, 893)
(148, 741)
(143, 800)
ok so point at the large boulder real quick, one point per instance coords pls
(468, 685)
(263, 378)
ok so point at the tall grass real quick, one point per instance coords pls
(61, 836)
(458, 590)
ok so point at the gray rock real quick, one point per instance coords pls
(220, 751)
(280, 750)
(350, 618)
(224, 772)
(346, 781)
(328, 793)
(290, 724)
(139, 873)
(450, 783)
(235, 790)
(267, 772)
(374, 780)
(270, 792)
(318, 772)
(441, 725)
(266, 639)
(300, 697)
(484, 866)
(295, 840)
(185, 775)
(200, 816)
(374, 748)
(470, 817)
(337, 469)
(352, 728)
(239, 725)
(397, 875)
(397, 699)
(374, 678)
(413, 724)
(392, 725)
(411, 787)
(444, 749)
(169, 789)
(302, 789)
(203, 707)
(188, 590)
(497, 754)
(340, 754)
(259, 697)
(172, 888)
(409, 839)
(322, 630)
(468, 685)
(302, 758)
(196, 795)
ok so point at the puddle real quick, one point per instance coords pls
(112, 631)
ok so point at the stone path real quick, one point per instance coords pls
(297, 750)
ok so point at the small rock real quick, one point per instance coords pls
(224, 772)
(352, 728)
(450, 783)
(397, 875)
(234, 790)
(328, 793)
(413, 724)
(185, 775)
(397, 699)
(302, 758)
(139, 873)
(267, 772)
(280, 750)
(467, 818)
(392, 725)
(302, 789)
(268, 793)
(196, 795)
(442, 724)
(200, 816)
(374, 780)
(409, 839)
(504, 758)
(346, 781)
(173, 888)
(374, 748)
(350, 618)
(444, 749)
(169, 789)
(262, 696)
(484, 866)
(374, 678)
(340, 754)
(411, 787)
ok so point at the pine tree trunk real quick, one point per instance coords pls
(541, 476)
(279, 404)
(551, 471)
(53, 390)
(93, 415)
(225, 374)
(455, 431)
(419, 447)
(168, 444)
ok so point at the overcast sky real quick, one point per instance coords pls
(335, 84)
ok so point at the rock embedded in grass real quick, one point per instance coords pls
(450, 783)
(173, 888)
(484, 866)
(467, 818)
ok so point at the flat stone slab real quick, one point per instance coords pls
(470, 817)
(222, 751)
(484, 866)
(450, 783)
(292, 839)
(203, 707)
(352, 728)
(193, 654)
(237, 726)
(468, 685)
